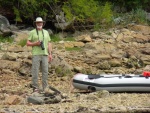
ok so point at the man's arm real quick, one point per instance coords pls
(29, 43)
(49, 48)
(30, 38)
(50, 52)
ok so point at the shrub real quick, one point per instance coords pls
(106, 14)
(60, 71)
(55, 38)
(139, 15)
(6, 39)
(22, 42)
(69, 39)
(103, 16)
(79, 10)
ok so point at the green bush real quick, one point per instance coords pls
(79, 10)
(22, 42)
(60, 71)
(6, 39)
(103, 16)
(56, 38)
(69, 39)
(83, 10)
(92, 12)
(106, 14)
(139, 16)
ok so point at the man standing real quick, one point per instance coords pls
(39, 39)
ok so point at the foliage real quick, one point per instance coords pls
(137, 4)
(104, 16)
(79, 10)
(135, 16)
(69, 39)
(139, 15)
(28, 9)
(99, 12)
(56, 38)
(61, 71)
(22, 42)
(97, 26)
(6, 39)
(73, 49)
(131, 4)
(107, 13)
(137, 63)
(17, 13)
(31, 8)
(91, 12)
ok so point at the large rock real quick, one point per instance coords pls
(15, 48)
(21, 35)
(73, 44)
(5, 64)
(140, 38)
(36, 98)
(13, 100)
(4, 21)
(140, 29)
(44, 98)
(115, 63)
(10, 56)
(84, 38)
(148, 16)
(4, 26)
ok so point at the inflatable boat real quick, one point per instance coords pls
(112, 82)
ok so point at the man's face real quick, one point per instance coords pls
(39, 25)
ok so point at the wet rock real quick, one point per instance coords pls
(53, 100)
(35, 100)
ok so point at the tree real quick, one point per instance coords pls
(82, 10)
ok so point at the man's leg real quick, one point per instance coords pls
(35, 71)
(44, 71)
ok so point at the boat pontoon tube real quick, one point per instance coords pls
(112, 82)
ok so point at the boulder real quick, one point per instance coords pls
(13, 100)
(4, 26)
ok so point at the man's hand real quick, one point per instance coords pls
(38, 43)
(49, 57)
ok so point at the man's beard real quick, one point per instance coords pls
(39, 27)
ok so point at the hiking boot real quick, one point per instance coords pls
(47, 90)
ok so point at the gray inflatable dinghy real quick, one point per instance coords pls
(112, 82)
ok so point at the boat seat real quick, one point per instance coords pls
(93, 76)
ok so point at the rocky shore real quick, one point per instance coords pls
(117, 50)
